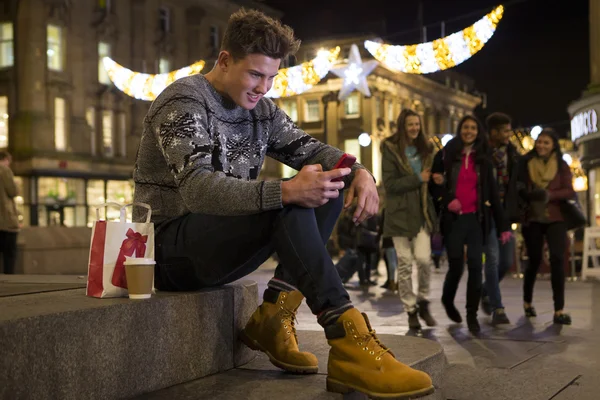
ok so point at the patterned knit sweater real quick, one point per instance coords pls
(201, 153)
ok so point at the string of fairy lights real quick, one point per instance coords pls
(421, 58)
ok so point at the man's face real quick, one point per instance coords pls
(501, 136)
(6, 162)
(247, 80)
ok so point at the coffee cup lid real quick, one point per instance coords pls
(138, 261)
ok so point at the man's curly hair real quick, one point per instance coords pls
(252, 32)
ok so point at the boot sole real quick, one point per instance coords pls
(254, 345)
(344, 388)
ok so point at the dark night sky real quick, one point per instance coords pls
(536, 63)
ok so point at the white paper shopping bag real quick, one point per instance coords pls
(111, 242)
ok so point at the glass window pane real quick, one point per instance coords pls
(3, 122)
(103, 51)
(351, 106)
(312, 112)
(54, 47)
(290, 107)
(90, 117)
(351, 146)
(164, 66)
(6, 45)
(107, 133)
(60, 134)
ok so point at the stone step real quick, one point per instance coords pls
(259, 379)
(64, 345)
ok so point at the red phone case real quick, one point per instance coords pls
(346, 161)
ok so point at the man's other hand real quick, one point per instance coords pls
(312, 187)
(364, 190)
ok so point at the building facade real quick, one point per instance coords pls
(72, 134)
(441, 102)
(584, 121)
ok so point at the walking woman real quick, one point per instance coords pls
(544, 181)
(406, 168)
(469, 199)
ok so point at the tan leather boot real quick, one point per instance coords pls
(358, 361)
(271, 329)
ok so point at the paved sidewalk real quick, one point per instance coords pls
(529, 359)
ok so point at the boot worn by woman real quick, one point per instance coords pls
(562, 318)
(529, 311)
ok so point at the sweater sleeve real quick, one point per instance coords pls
(295, 148)
(185, 138)
(565, 192)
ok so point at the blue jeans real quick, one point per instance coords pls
(498, 260)
(391, 262)
(199, 251)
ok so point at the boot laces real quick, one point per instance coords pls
(367, 338)
(289, 321)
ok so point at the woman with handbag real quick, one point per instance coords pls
(406, 168)
(545, 184)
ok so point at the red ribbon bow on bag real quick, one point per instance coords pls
(135, 243)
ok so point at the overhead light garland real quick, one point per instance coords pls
(300, 78)
(288, 82)
(145, 86)
(441, 54)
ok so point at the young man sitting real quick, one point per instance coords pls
(205, 139)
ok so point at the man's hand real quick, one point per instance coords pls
(364, 189)
(425, 175)
(312, 187)
(438, 179)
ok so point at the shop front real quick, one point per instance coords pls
(69, 201)
(584, 133)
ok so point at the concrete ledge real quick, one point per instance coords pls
(64, 345)
(260, 380)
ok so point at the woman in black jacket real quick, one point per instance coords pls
(468, 200)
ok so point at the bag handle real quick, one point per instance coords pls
(145, 205)
(123, 213)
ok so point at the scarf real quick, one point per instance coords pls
(499, 158)
(542, 171)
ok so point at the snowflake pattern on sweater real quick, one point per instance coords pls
(200, 153)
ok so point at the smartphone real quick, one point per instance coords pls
(346, 161)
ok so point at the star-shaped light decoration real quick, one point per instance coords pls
(354, 74)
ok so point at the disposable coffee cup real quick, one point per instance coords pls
(140, 277)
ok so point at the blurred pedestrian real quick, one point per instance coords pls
(545, 181)
(470, 196)
(406, 169)
(9, 217)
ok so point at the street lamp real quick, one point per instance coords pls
(364, 139)
(446, 138)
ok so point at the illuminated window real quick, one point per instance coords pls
(90, 117)
(3, 122)
(107, 133)
(103, 51)
(55, 48)
(290, 107)
(351, 146)
(122, 134)
(60, 131)
(164, 66)
(6, 45)
(352, 106)
(312, 112)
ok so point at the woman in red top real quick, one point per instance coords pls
(544, 181)
(469, 198)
